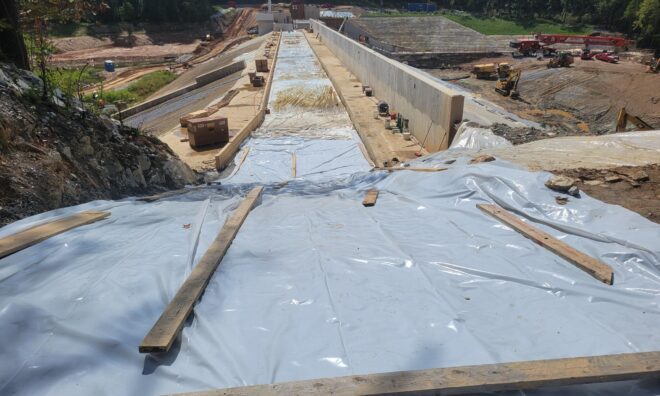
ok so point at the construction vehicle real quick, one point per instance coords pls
(543, 42)
(561, 59)
(530, 47)
(586, 54)
(624, 118)
(508, 85)
(490, 70)
(606, 56)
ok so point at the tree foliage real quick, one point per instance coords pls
(157, 11)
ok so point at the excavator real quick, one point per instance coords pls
(624, 118)
(507, 84)
(561, 59)
(654, 66)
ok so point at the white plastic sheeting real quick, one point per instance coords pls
(315, 285)
(476, 138)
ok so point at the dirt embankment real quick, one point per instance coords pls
(52, 157)
(635, 188)
(583, 99)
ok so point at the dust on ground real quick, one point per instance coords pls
(583, 99)
(634, 188)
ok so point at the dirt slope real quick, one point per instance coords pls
(51, 157)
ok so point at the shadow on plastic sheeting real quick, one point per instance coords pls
(154, 360)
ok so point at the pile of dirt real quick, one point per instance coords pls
(526, 135)
(634, 188)
(52, 157)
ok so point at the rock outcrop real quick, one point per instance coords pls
(51, 156)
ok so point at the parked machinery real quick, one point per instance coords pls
(561, 59)
(508, 85)
(541, 43)
(490, 70)
(624, 118)
(530, 47)
(607, 56)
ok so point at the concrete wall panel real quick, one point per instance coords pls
(431, 107)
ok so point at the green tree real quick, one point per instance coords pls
(36, 15)
(648, 21)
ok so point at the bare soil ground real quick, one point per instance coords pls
(635, 188)
(582, 99)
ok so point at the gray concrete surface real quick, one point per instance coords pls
(432, 108)
(162, 118)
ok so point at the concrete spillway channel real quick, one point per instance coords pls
(307, 122)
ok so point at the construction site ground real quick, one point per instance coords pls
(149, 51)
(384, 147)
(584, 98)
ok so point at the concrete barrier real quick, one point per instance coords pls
(201, 81)
(432, 108)
(217, 74)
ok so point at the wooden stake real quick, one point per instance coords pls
(593, 267)
(468, 379)
(246, 152)
(293, 165)
(26, 238)
(162, 335)
(370, 198)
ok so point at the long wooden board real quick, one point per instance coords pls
(24, 239)
(370, 197)
(162, 335)
(468, 379)
(411, 168)
(593, 267)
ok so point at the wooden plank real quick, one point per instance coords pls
(293, 165)
(469, 379)
(31, 236)
(410, 168)
(370, 198)
(162, 335)
(593, 267)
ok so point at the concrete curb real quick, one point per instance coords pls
(230, 149)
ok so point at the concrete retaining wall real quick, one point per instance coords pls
(201, 81)
(431, 107)
(217, 74)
